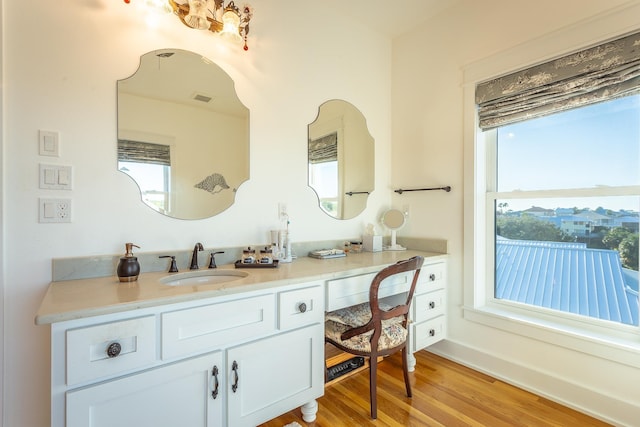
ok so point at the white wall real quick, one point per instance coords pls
(61, 62)
(427, 136)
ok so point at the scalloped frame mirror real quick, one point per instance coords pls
(183, 134)
(341, 159)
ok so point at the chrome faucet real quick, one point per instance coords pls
(194, 258)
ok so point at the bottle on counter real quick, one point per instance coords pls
(266, 256)
(248, 256)
(128, 267)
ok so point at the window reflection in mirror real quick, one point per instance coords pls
(183, 134)
(150, 166)
(341, 159)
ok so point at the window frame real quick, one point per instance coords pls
(616, 342)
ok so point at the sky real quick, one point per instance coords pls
(588, 147)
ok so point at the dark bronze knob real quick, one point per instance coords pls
(432, 332)
(114, 349)
(302, 307)
(432, 304)
(432, 277)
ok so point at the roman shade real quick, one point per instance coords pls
(600, 73)
(143, 152)
(324, 149)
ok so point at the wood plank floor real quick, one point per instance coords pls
(444, 394)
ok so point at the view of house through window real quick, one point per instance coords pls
(567, 210)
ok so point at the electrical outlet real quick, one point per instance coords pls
(55, 210)
(282, 211)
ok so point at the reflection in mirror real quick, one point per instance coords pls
(183, 134)
(341, 159)
(394, 220)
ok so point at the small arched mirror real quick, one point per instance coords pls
(394, 220)
(341, 159)
(183, 134)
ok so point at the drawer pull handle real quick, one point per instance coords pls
(216, 384)
(234, 368)
(302, 307)
(432, 277)
(432, 304)
(432, 332)
(114, 349)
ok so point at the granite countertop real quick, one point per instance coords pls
(75, 299)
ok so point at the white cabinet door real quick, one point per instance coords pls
(179, 394)
(269, 377)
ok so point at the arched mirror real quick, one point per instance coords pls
(394, 220)
(341, 159)
(183, 134)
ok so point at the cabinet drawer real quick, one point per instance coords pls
(202, 329)
(432, 277)
(300, 307)
(355, 290)
(429, 305)
(427, 333)
(87, 348)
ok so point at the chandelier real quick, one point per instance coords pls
(229, 21)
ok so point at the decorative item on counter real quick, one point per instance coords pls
(327, 253)
(347, 247)
(281, 245)
(371, 242)
(355, 247)
(128, 267)
(266, 256)
(248, 256)
(285, 238)
(275, 236)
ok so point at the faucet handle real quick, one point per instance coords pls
(173, 268)
(212, 261)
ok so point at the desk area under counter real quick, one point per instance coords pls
(119, 349)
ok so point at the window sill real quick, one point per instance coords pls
(606, 343)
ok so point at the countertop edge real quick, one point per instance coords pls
(105, 295)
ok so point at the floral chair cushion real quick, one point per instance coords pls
(339, 321)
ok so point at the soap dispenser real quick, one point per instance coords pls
(128, 267)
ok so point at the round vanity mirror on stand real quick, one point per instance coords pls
(394, 220)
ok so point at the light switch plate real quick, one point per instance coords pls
(49, 143)
(54, 210)
(55, 177)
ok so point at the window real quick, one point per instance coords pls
(561, 144)
(557, 251)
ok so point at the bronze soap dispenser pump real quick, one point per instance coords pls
(128, 267)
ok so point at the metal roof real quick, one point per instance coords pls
(568, 277)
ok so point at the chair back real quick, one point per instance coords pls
(377, 314)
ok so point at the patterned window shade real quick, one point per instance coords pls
(324, 149)
(600, 73)
(143, 152)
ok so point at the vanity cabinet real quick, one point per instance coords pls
(427, 314)
(238, 360)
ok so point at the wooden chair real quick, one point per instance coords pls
(375, 329)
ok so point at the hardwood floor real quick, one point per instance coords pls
(444, 394)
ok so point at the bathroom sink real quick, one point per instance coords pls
(203, 277)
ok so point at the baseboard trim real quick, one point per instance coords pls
(575, 396)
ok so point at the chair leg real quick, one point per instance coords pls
(373, 375)
(405, 368)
